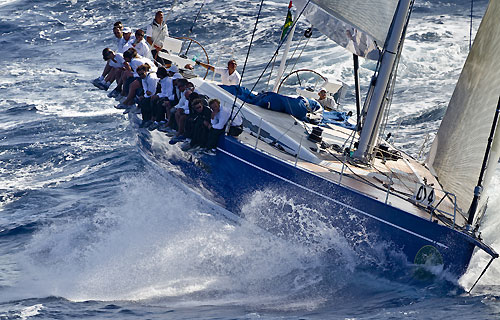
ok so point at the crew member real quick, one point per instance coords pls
(229, 75)
(156, 33)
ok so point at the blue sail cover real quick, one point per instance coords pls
(297, 107)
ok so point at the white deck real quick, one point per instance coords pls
(290, 138)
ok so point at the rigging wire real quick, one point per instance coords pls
(397, 193)
(192, 26)
(293, 55)
(400, 194)
(389, 101)
(271, 72)
(393, 80)
(300, 55)
(470, 32)
(274, 55)
(245, 64)
(307, 34)
(171, 10)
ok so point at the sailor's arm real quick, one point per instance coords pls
(205, 65)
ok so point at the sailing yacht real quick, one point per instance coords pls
(358, 183)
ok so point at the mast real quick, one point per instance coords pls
(375, 107)
(358, 92)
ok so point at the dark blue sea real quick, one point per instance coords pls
(91, 228)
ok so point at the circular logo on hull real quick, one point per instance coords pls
(427, 260)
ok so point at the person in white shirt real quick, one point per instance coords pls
(220, 117)
(156, 33)
(117, 31)
(162, 99)
(167, 85)
(326, 101)
(149, 82)
(229, 75)
(128, 39)
(117, 63)
(181, 113)
(130, 77)
(140, 45)
(100, 82)
(120, 41)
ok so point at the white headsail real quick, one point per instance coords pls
(458, 149)
(361, 26)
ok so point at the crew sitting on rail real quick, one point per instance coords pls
(197, 124)
(179, 88)
(116, 64)
(128, 38)
(140, 44)
(165, 95)
(148, 82)
(118, 32)
(229, 75)
(171, 91)
(173, 72)
(181, 113)
(111, 70)
(130, 78)
(100, 82)
(219, 118)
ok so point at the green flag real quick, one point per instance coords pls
(288, 22)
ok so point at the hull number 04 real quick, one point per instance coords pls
(424, 195)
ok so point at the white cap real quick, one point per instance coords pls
(127, 30)
(322, 89)
(173, 68)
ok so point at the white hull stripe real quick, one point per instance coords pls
(336, 201)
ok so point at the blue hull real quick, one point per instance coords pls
(237, 172)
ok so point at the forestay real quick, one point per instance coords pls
(458, 149)
(361, 26)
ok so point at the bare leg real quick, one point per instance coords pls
(181, 123)
(106, 70)
(111, 75)
(131, 92)
(119, 81)
(166, 104)
(118, 77)
(125, 76)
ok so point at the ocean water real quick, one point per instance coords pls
(92, 229)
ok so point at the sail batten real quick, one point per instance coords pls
(361, 26)
(457, 152)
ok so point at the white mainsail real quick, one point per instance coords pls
(361, 26)
(458, 149)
